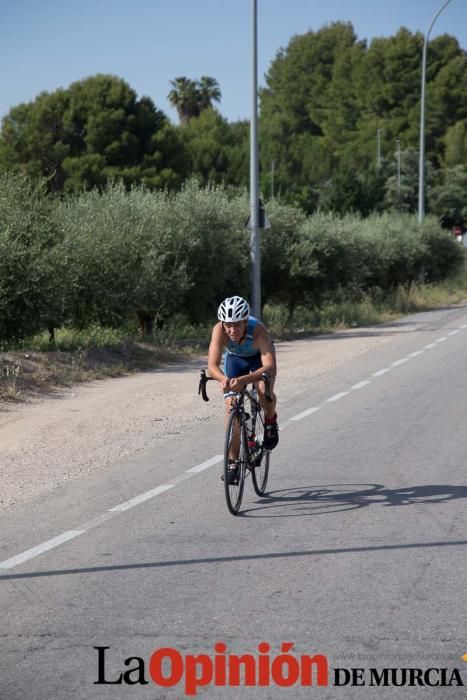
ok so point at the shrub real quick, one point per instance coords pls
(32, 269)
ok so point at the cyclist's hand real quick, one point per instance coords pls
(224, 385)
(236, 384)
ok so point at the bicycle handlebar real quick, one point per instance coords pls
(204, 379)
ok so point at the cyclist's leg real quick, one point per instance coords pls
(269, 406)
(271, 434)
(234, 366)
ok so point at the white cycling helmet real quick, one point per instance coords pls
(233, 309)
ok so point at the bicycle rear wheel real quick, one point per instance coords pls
(260, 472)
(234, 443)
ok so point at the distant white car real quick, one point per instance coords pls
(458, 233)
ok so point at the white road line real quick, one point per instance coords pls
(132, 502)
(454, 332)
(441, 340)
(380, 372)
(430, 346)
(399, 362)
(286, 424)
(35, 551)
(338, 396)
(416, 353)
(205, 465)
(90, 524)
(306, 413)
(181, 477)
(360, 385)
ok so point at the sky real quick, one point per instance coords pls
(48, 44)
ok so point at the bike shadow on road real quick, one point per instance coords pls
(328, 498)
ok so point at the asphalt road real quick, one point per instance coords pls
(357, 552)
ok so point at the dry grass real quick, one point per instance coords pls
(25, 374)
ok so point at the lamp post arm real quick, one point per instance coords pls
(421, 174)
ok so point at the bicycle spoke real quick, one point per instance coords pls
(234, 455)
(260, 471)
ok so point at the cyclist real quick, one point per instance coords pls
(248, 352)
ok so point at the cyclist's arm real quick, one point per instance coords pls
(216, 348)
(268, 353)
(268, 357)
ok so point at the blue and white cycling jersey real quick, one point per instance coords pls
(245, 348)
(242, 358)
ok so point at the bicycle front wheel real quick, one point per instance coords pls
(234, 451)
(260, 472)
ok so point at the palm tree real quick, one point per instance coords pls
(184, 97)
(191, 97)
(208, 91)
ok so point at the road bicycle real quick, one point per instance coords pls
(244, 452)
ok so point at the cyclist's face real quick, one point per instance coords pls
(235, 330)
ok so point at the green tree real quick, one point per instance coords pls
(326, 96)
(208, 92)
(95, 130)
(34, 139)
(455, 140)
(445, 93)
(33, 262)
(191, 97)
(348, 191)
(216, 151)
(206, 139)
(449, 197)
(299, 107)
(404, 198)
(388, 90)
(238, 154)
(184, 97)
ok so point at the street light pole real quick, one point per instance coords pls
(399, 168)
(378, 147)
(421, 172)
(273, 163)
(254, 176)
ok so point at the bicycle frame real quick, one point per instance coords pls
(247, 420)
(243, 450)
